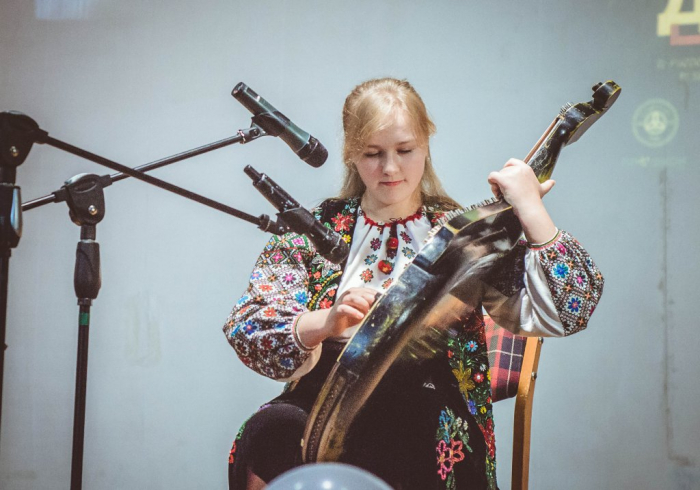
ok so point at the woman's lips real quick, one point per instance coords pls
(392, 183)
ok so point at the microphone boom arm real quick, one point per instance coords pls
(244, 136)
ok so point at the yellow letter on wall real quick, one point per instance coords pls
(673, 16)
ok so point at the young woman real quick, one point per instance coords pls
(433, 427)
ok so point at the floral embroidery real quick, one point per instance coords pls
(232, 454)
(574, 304)
(453, 437)
(580, 279)
(576, 292)
(385, 245)
(560, 270)
(447, 457)
(489, 437)
(445, 422)
(408, 252)
(367, 275)
(464, 379)
(322, 279)
(468, 359)
(295, 279)
(343, 222)
(250, 327)
(436, 216)
(387, 283)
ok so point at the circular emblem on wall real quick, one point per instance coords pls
(655, 123)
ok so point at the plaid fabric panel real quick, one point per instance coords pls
(505, 358)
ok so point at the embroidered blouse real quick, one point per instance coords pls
(550, 291)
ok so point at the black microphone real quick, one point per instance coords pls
(274, 123)
(327, 242)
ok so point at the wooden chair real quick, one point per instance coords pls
(513, 360)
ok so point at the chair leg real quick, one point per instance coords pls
(523, 414)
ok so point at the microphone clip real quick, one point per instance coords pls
(294, 217)
(254, 132)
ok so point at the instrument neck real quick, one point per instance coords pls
(543, 156)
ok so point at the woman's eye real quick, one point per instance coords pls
(372, 155)
(405, 151)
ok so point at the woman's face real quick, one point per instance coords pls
(391, 167)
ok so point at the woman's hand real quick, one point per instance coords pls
(349, 309)
(519, 186)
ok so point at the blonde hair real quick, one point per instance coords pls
(371, 107)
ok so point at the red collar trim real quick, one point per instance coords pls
(400, 221)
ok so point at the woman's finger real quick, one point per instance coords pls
(360, 302)
(546, 186)
(513, 162)
(370, 295)
(349, 311)
(494, 178)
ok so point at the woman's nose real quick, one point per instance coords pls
(390, 164)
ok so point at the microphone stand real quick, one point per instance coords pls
(16, 133)
(86, 202)
(84, 195)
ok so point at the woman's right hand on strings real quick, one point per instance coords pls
(349, 309)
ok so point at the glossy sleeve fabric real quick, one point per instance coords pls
(549, 291)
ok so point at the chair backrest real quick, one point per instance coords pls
(505, 359)
(513, 361)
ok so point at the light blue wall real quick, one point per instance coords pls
(616, 406)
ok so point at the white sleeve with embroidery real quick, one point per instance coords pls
(552, 293)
